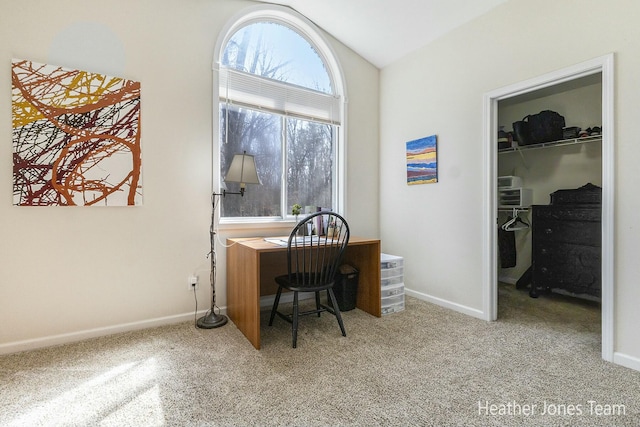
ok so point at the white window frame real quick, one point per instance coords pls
(307, 29)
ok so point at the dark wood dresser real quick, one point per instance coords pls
(566, 243)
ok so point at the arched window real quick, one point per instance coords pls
(281, 99)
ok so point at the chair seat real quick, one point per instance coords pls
(302, 284)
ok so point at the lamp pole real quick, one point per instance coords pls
(212, 319)
(242, 170)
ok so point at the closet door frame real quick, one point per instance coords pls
(604, 65)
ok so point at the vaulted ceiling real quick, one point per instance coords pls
(383, 31)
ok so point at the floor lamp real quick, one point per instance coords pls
(242, 170)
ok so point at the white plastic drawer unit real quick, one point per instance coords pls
(509, 182)
(390, 261)
(390, 281)
(392, 304)
(393, 299)
(393, 308)
(515, 197)
(391, 272)
(389, 291)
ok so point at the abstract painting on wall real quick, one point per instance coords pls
(76, 137)
(422, 161)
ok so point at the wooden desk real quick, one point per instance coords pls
(252, 265)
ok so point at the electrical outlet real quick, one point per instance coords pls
(192, 282)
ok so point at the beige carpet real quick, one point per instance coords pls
(426, 366)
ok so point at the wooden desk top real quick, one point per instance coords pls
(261, 245)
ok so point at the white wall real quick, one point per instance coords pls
(69, 273)
(439, 90)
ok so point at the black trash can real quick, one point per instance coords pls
(346, 287)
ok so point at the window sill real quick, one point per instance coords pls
(252, 224)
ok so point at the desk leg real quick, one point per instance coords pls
(243, 291)
(366, 257)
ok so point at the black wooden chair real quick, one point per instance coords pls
(314, 252)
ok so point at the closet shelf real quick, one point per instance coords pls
(559, 143)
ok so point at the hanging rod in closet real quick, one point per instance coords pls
(514, 210)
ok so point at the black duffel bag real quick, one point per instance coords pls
(546, 126)
(521, 132)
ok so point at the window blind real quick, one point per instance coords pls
(247, 89)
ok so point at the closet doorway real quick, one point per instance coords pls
(597, 69)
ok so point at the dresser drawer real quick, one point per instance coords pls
(566, 213)
(575, 268)
(578, 232)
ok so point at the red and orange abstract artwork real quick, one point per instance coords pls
(76, 137)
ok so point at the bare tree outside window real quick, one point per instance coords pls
(310, 158)
(305, 173)
(259, 134)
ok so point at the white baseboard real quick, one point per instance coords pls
(49, 341)
(626, 361)
(447, 304)
(32, 344)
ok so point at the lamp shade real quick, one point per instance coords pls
(243, 170)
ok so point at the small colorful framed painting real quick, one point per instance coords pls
(422, 161)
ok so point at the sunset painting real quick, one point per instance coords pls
(422, 161)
